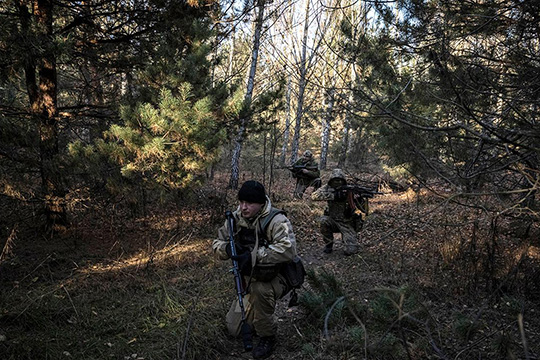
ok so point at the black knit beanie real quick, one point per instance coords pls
(252, 191)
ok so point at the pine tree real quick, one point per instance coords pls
(170, 143)
(77, 62)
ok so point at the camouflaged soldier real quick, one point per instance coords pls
(306, 171)
(340, 216)
(264, 240)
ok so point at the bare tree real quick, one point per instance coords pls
(301, 88)
(355, 17)
(287, 130)
(246, 114)
(329, 115)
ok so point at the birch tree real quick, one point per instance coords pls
(355, 20)
(301, 88)
(330, 99)
(286, 131)
(246, 114)
(299, 56)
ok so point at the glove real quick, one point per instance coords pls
(244, 262)
(229, 251)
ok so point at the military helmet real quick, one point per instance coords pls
(308, 154)
(337, 173)
(337, 177)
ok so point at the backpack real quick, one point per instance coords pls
(293, 271)
(267, 219)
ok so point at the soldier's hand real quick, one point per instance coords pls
(229, 251)
(244, 261)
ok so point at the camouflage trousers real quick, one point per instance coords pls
(260, 305)
(303, 184)
(329, 226)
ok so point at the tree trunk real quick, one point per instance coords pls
(273, 150)
(287, 131)
(344, 144)
(347, 123)
(330, 99)
(325, 138)
(44, 107)
(244, 121)
(230, 69)
(301, 89)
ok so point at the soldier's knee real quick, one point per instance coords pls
(260, 290)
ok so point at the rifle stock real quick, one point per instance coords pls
(245, 329)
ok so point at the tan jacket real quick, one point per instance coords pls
(279, 234)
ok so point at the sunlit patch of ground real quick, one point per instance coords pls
(119, 286)
(177, 252)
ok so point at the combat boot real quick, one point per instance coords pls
(265, 347)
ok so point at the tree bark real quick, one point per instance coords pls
(244, 121)
(301, 89)
(44, 108)
(327, 125)
(287, 131)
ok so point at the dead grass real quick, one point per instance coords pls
(116, 287)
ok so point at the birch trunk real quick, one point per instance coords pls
(347, 125)
(301, 89)
(244, 121)
(287, 131)
(356, 19)
(327, 123)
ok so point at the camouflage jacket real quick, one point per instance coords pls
(312, 166)
(338, 207)
(281, 241)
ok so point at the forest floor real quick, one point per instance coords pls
(433, 280)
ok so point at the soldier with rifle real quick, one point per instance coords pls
(260, 240)
(306, 171)
(346, 206)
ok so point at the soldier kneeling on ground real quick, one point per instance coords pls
(342, 214)
(264, 245)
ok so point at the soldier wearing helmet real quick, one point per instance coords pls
(306, 171)
(340, 215)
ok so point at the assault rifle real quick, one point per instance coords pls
(297, 169)
(357, 197)
(245, 329)
(359, 190)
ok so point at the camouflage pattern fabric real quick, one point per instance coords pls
(280, 248)
(338, 217)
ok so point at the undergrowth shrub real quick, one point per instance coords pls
(386, 347)
(466, 327)
(504, 345)
(375, 325)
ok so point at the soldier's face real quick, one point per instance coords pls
(335, 183)
(249, 210)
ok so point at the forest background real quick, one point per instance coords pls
(127, 126)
